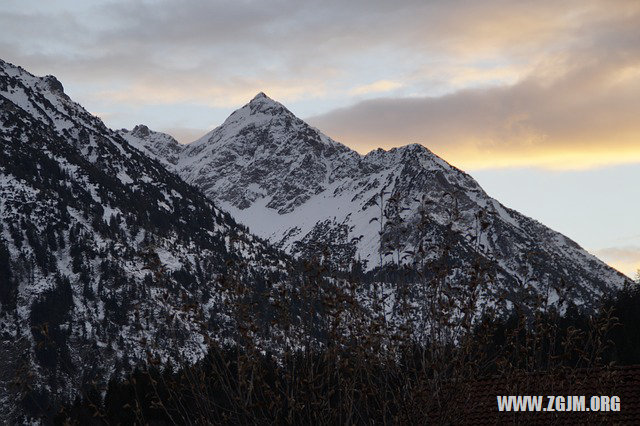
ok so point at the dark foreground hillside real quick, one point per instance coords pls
(355, 382)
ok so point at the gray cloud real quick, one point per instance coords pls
(581, 100)
(516, 75)
(126, 39)
(574, 111)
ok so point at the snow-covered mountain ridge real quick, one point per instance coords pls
(105, 255)
(311, 195)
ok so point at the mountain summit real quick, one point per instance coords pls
(264, 151)
(259, 111)
(313, 196)
(262, 99)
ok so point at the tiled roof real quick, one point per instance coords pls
(476, 402)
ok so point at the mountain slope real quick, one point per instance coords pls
(104, 254)
(159, 146)
(311, 195)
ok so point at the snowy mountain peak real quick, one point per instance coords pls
(262, 105)
(259, 96)
(262, 101)
(15, 74)
(53, 85)
(161, 146)
(264, 150)
(141, 131)
(259, 112)
(309, 194)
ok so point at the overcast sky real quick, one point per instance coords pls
(539, 100)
